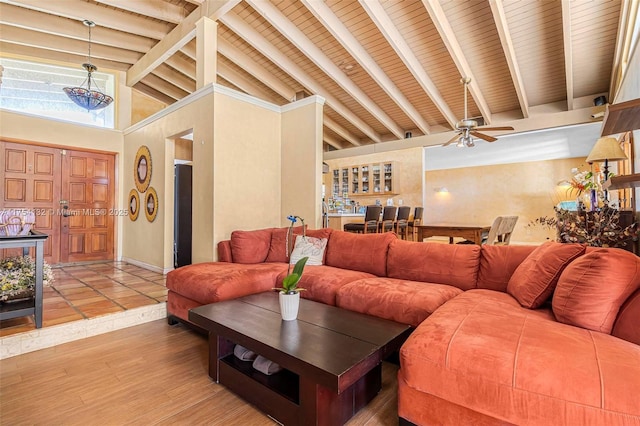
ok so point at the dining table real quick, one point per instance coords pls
(472, 233)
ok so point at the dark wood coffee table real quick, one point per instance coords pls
(332, 357)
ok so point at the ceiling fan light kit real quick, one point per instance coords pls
(468, 128)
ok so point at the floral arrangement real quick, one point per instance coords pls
(581, 181)
(294, 220)
(599, 228)
(290, 282)
(18, 277)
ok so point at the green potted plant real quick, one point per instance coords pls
(289, 296)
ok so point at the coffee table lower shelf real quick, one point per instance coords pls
(289, 398)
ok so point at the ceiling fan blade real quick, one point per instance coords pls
(452, 140)
(483, 136)
(497, 128)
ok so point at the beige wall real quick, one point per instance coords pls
(143, 106)
(246, 168)
(301, 186)
(478, 194)
(408, 169)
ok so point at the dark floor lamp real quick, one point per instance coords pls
(606, 149)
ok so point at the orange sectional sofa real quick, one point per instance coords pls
(502, 334)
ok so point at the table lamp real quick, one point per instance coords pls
(606, 149)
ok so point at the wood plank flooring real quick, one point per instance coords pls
(151, 374)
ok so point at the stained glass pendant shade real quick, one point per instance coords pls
(84, 96)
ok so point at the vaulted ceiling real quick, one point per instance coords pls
(385, 67)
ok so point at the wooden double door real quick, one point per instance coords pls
(72, 193)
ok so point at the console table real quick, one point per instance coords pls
(34, 306)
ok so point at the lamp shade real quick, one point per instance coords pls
(606, 148)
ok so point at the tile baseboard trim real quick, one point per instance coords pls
(153, 268)
(46, 337)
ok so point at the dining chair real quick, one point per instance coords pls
(402, 221)
(500, 232)
(415, 222)
(370, 224)
(388, 219)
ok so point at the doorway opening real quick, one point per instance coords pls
(183, 200)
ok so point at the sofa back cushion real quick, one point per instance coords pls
(278, 249)
(224, 251)
(627, 325)
(452, 264)
(497, 264)
(534, 280)
(250, 246)
(359, 252)
(593, 287)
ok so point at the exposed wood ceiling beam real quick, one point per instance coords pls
(447, 35)
(196, 2)
(165, 87)
(185, 66)
(386, 26)
(318, 57)
(176, 78)
(497, 9)
(331, 141)
(341, 33)
(24, 37)
(56, 25)
(243, 83)
(189, 49)
(161, 10)
(80, 10)
(178, 37)
(251, 36)
(183, 33)
(341, 131)
(568, 51)
(156, 94)
(57, 56)
(250, 66)
(629, 14)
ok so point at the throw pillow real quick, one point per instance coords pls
(592, 289)
(278, 250)
(309, 247)
(250, 246)
(533, 281)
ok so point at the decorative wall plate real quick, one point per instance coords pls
(134, 204)
(142, 169)
(151, 204)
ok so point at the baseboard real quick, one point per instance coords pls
(144, 265)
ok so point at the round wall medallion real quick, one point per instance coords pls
(142, 169)
(134, 204)
(151, 204)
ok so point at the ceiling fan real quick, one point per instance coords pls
(467, 128)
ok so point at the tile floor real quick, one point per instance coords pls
(87, 291)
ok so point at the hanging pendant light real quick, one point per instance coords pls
(83, 96)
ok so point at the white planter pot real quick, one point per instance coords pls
(289, 304)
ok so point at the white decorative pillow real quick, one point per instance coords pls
(310, 247)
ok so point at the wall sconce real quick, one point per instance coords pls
(441, 190)
(564, 184)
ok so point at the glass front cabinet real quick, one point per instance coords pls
(365, 179)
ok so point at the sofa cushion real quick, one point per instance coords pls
(321, 283)
(497, 264)
(626, 325)
(250, 246)
(483, 351)
(452, 264)
(310, 247)
(408, 302)
(278, 249)
(215, 281)
(359, 252)
(532, 282)
(592, 289)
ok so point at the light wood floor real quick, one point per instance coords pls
(151, 374)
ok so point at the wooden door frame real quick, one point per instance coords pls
(116, 176)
